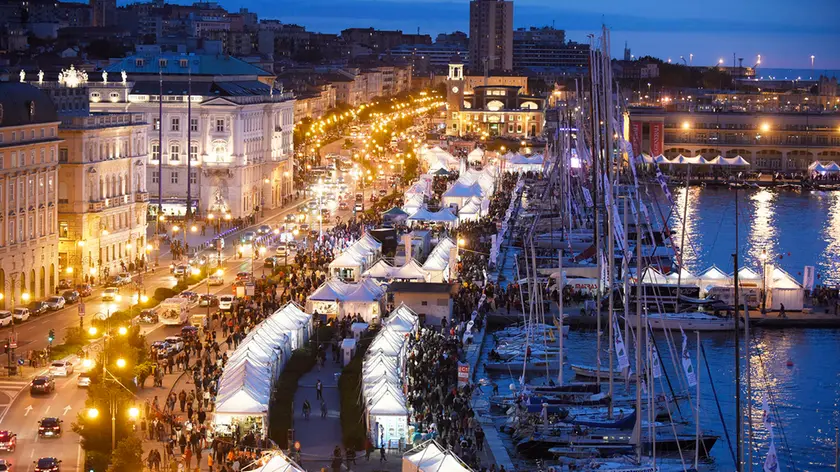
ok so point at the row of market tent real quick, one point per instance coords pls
(245, 386)
(383, 378)
(519, 163)
(354, 260)
(337, 298)
(736, 161)
(782, 288)
(824, 167)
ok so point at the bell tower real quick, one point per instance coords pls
(455, 86)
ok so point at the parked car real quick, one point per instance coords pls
(148, 316)
(49, 427)
(208, 300)
(163, 348)
(5, 317)
(42, 384)
(360, 197)
(37, 307)
(64, 284)
(71, 296)
(358, 207)
(21, 314)
(48, 464)
(226, 302)
(55, 303)
(8, 441)
(271, 261)
(177, 342)
(110, 294)
(61, 368)
(191, 296)
(85, 290)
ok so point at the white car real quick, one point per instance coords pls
(84, 379)
(61, 368)
(21, 314)
(176, 342)
(5, 318)
(226, 302)
(110, 294)
(55, 303)
(216, 279)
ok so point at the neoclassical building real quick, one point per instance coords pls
(102, 196)
(28, 178)
(223, 130)
(786, 142)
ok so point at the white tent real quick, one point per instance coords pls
(411, 270)
(422, 214)
(444, 215)
(519, 163)
(655, 277)
(470, 211)
(660, 159)
(680, 159)
(696, 160)
(381, 270)
(713, 276)
(244, 391)
(784, 290)
(824, 167)
(437, 264)
(430, 457)
(748, 275)
(402, 319)
(349, 265)
(388, 342)
(295, 322)
(476, 155)
(736, 161)
(337, 298)
(645, 159)
(278, 462)
(684, 277)
(460, 192)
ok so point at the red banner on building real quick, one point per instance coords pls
(636, 137)
(657, 138)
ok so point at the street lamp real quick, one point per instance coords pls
(218, 273)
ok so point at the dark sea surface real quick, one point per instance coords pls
(797, 369)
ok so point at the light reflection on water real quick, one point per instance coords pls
(796, 229)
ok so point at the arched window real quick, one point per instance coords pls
(174, 152)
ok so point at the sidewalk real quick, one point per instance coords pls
(318, 436)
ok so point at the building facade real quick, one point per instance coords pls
(546, 49)
(28, 178)
(776, 142)
(102, 196)
(491, 35)
(219, 114)
(498, 110)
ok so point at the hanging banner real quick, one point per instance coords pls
(657, 139)
(808, 278)
(620, 348)
(636, 137)
(463, 374)
(655, 368)
(690, 376)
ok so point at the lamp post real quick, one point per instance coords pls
(103, 231)
(262, 251)
(219, 273)
(763, 258)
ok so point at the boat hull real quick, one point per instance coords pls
(675, 322)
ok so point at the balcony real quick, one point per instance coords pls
(96, 206)
(141, 197)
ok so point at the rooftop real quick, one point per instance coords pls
(185, 64)
(421, 287)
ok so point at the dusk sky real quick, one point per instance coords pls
(785, 33)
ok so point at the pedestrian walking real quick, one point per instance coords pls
(323, 409)
(318, 390)
(382, 457)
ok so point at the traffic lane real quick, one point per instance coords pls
(22, 419)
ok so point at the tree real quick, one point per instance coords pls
(128, 456)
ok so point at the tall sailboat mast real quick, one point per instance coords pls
(738, 417)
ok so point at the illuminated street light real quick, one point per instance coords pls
(92, 413)
(121, 363)
(92, 331)
(134, 412)
(123, 330)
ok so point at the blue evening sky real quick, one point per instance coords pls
(785, 32)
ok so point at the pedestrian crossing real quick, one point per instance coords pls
(12, 387)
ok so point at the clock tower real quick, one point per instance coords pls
(454, 97)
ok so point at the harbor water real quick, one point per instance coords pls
(797, 370)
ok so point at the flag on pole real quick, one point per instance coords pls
(771, 463)
(765, 415)
(690, 375)
(655, 368)
(620, 348)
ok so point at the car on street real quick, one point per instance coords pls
(304, 227)
(61, 368)
(56, 303)
(248, 237)
(312, 204)
(360, 197)
(243, 276)
(71, 296)
(5, 317)
(5, 465)
(49, 427)
(65, 284)
(198, 261)
(343, 206)
(37, 307)
(208, 300)
(8, 441)
(48, 464)
(358, 207)
(148, 315)
(42, 384)
(110, 294)
(189, 332)
(83, 380)
(181, 270)
(177, 342)
(191, 296)
(272, 261)
(85, 290)
(383, 192)
(263, 229)
(162, 348)
(216, 279)
(290, 218)
(21, 314)
(226, 302)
